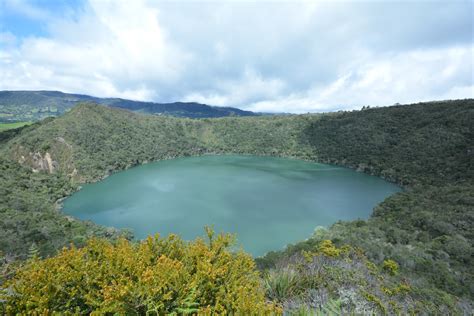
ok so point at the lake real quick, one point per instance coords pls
(267, 202)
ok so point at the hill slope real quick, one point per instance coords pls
(427, 143)
(428, 148)
(18, 106)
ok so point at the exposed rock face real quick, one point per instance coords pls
(57, 157)
(40, 163)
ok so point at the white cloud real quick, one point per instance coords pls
(114, 49)
(413, 76)
(269, 56)
(243, 90)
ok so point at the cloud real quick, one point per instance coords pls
(113, 49)
(419, 75)
(242, 90)
(294, 56)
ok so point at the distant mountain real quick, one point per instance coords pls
(35, 105)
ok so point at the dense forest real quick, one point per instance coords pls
(413, 255)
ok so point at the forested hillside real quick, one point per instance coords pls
(415, 252)
(420, 144)
(26, 106)
(92, 141)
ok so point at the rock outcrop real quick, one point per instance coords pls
(43, 163)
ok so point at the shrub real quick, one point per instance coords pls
(281, 284)
(328, 248)
(390, 266)
(155, 276)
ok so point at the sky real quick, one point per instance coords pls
(280, 56)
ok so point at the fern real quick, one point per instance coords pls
(189, 305)
(33, 252)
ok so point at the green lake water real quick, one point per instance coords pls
(267, 202)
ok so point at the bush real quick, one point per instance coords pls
(390, 266)
(338, 280)
(155, 276)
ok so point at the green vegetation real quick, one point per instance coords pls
(7, 126)
(154, 277)
(29, 215)
(420, 144)
(340, 280)
(413, 255)
(96, 141)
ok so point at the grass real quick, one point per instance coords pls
(7, 126)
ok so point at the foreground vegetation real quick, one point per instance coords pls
(426, 232)
(341, 280)
(156, 276)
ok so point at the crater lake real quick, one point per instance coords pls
(267, 202)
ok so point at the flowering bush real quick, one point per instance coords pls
(155, 276)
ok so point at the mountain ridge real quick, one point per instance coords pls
(26, 105)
